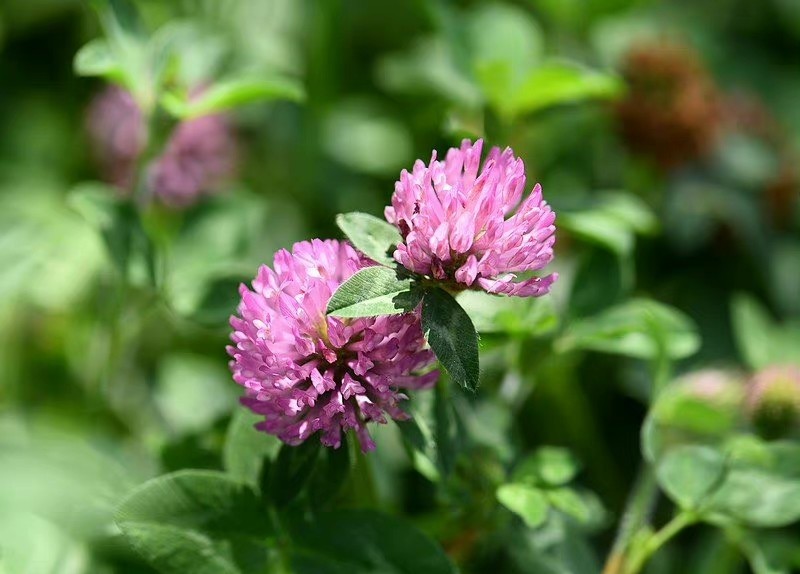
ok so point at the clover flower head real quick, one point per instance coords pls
(469, 227)
(310, 373)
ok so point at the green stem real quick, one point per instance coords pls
(364, 489)
(281, 542)
(637, 514)
(651, 544)
(645, 493)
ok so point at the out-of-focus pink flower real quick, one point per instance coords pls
(470, 227)
(199, 155)
(307, 372)
(117, 134)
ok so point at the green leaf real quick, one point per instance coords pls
(445, 427)
(234, 93)
(526, 316)
(506, 34)
(762, 486)
(640, 328)
(194, 521)
(374, 291)
(559, 83)
(363, 137)
(759, 497)
(421, 447)
(126, 36)
(770, 552)
(688, 474)
(245, 447)
(549, 465)
(430, 68)
(192, 391)
(505, 44)
(219, 300)
(124, 14)
(96, 59)
(174, 550)
(611, 221)
(118, 223)
(374, 237)
(203, 500)
(601, 280)
(452, 337)
(330, 475)
(600, 228)
(582, 508)
(363, 542)
(762, 341)
(526, 501)
(291, 472)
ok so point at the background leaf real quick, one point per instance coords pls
(528, 502)
(195, 521)
(761, 341)
(361, 542)
(690, 473)
(372, 236)
(291, 472)
(245, 447)
(225, 95)
(639, 328)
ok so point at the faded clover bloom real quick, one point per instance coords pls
(199, 155)
(307, 372)
(672, 110)
(469, 227)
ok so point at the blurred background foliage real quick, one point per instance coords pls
(664, 133)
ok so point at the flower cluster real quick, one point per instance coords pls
(461, 226)
(469, 226)
(307, 372)
(199, 155)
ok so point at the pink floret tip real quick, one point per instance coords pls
(309, 373)
(470, 227)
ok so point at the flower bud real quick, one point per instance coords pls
(773, 401)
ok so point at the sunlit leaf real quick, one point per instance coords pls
(526, 501)
(234, 93)
(374, 291)
(374, 237)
